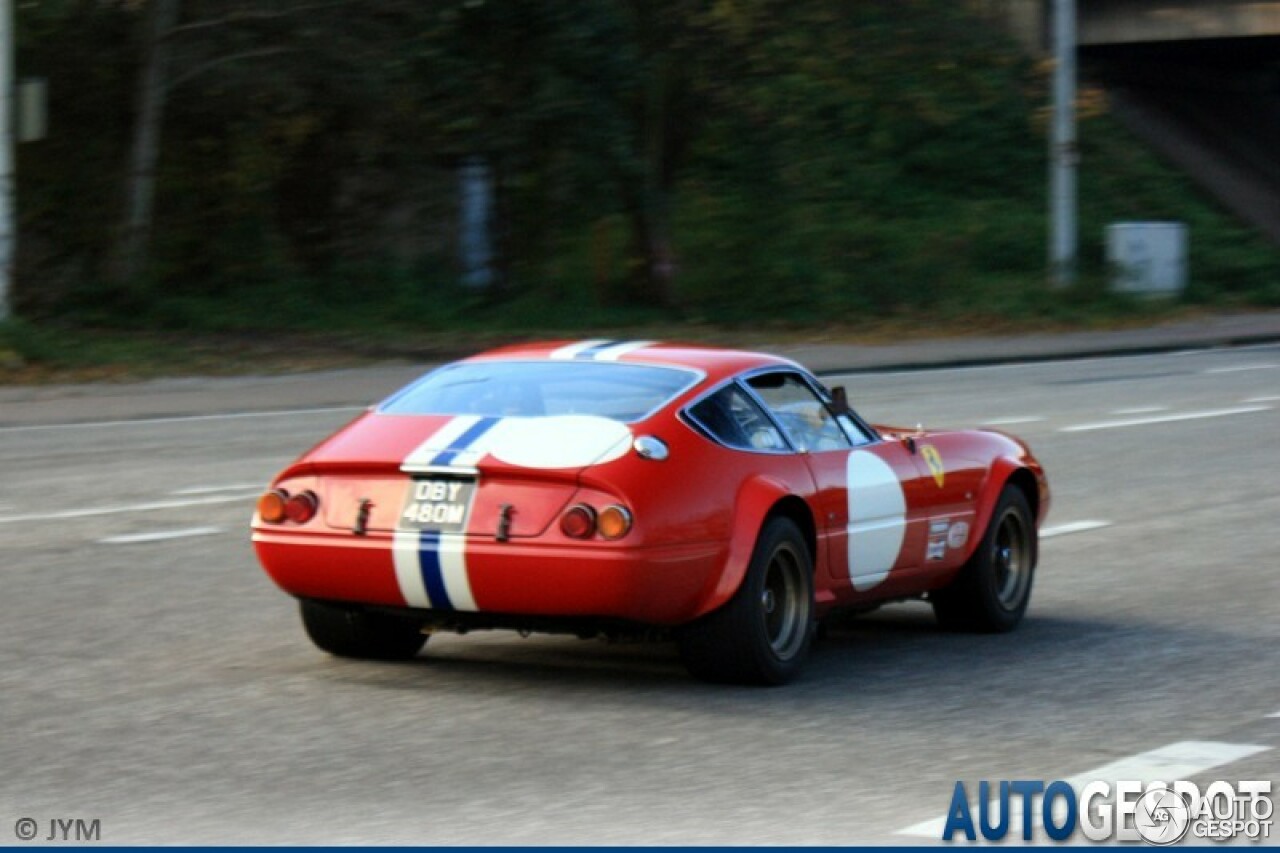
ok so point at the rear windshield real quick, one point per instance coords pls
(622, 392)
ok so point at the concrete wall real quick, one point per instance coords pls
(1133, 21)
(1130, 21)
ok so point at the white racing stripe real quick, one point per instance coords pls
(476, 449)
(440, 441)
(229, 416)
(598, 349)
(617, 351)
(159, 535)
(1171, 763)
(419, 555)
(453, 570)
(571, 351)
(1073, 527)
(405, 549)
(60, 515)
(1165, 419)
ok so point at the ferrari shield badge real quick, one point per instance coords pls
(934, 460)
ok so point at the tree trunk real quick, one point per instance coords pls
(140, 185)
(650, 216)
(652, 239)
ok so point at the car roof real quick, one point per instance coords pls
(715, 362)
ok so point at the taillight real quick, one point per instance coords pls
(271, 506)
(578, 522)
(614, 522)
(302, 507)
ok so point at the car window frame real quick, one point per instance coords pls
(686, 414)
(742, 381)
(824, 400)
(869, 432)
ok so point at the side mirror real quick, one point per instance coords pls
(840, 400)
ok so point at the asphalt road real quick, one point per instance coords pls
(152, 679)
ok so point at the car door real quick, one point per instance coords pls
(875, 539)
(955, 474)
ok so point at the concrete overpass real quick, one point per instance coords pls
(1108, 22)
(1198, 80)
(1115, 22)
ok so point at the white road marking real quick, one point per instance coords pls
(1170, 763)
(60, 515)
(213, 490)
(1140, 410)
(1273, 398)
(1030, 419)
(1276, 715)
(1073, 527)
(1237, 368)
(159, 535)
(227, 416)
(1165, 419)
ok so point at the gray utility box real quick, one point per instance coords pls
(1148, 258)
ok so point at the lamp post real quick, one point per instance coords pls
(8, 227)
(1064, 155)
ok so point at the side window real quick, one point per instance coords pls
(808, 422)
(733, 419)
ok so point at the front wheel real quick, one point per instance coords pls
(350, 633)
(762, 634)
(991, 593)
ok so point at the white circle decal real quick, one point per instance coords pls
(877, 519)
(560, 441)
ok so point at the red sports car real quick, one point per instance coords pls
(619, 488)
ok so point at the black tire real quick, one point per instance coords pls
(352, 633)
(761, 635)
(991, 592)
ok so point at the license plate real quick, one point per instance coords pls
(438, 504)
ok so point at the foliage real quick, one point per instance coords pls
(733, 161)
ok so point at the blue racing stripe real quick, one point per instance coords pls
(591, 352)
(432, 576)
(463, 441)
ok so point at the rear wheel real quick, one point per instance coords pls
(352, 633)
(993, 589)
(762, 635)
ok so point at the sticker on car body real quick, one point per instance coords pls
(933, 459)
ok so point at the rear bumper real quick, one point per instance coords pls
(665, 586)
